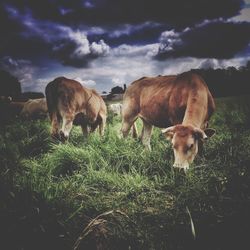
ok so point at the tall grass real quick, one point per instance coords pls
(159, 208)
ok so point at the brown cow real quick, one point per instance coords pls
(35, 108)
(181, 104)
(70, 102)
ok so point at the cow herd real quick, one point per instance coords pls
(181, 105)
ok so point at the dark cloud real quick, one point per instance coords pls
(23, 47)
(44, 39)
(22, 69)
(220, 40)
(77, 32)
(15, 41)
(177, 13)
(63, 51)
(131, 35)
(73, 52)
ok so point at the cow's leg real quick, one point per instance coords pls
(67, 124)
(102, 126)
(94, 125)
(146, 134)
(130, 112)
(55, 123)
(134, 131)
(128, 120)
(126, 126)
(85, 129)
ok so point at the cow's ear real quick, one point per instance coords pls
(209, 132)
(169, 132)
(204, 135)
(199, 134)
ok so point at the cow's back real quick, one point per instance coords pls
(66, 95)
(162, 100)
(35, 106)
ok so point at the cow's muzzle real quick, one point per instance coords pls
(181, 166)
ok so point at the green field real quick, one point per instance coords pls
(110, 193)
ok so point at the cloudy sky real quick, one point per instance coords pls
(104, 43)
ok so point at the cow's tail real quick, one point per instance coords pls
(88, 104)
(51, 98)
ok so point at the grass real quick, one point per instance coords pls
(109, 193)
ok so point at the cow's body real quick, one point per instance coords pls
(35, 108)
(70, 102)
(116, 108)
(183, 100)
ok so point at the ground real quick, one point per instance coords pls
(110, 193)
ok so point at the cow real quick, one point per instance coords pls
(116, 108)
(35, 108)
(70, 102)
(180, 104)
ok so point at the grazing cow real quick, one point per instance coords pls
(72, 103)
(35, 108)
(181, 104)
(116, 108)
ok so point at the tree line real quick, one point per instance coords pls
(227, 82)
(230, 81)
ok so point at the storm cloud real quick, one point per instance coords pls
(48, 27)
(220, 40)
(77, 51)
(106, 42)
(99, 12)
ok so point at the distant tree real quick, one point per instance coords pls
(248, 65)
(30, 95)
(117, 90)
(9, 85)
(230, 70)
(227, 82)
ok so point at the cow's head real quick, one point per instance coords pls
(185, 141)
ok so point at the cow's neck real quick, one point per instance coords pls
(194, 115)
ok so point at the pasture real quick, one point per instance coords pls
(110, 193)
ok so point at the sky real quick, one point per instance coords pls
(105, 43)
